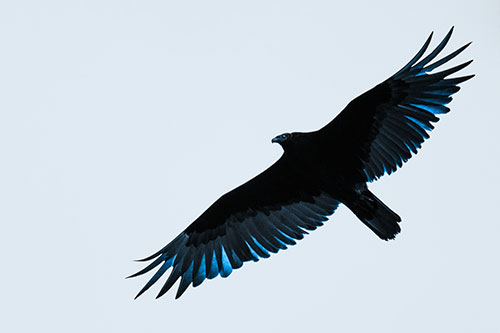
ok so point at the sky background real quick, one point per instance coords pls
(122, 121)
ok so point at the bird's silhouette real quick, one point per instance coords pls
(374, 135)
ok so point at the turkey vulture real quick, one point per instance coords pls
(375, 134)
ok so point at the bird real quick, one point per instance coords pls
(374, 135)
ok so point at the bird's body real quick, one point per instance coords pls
(375, 134)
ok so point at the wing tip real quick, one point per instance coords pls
(467, 63)
(180, 292)
(143, 290)
(135, 274)
(151, 257)
(430, 36)
(161, 293)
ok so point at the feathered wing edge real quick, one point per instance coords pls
(417, 69)
(406, 125)
(256, 236)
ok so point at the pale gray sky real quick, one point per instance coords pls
(121, 121)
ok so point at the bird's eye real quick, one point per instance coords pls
(282, 137)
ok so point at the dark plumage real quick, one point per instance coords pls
(375, 134)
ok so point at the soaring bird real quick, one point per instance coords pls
(374, 135)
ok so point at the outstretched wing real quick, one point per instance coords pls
(380, 130)
(262, 216)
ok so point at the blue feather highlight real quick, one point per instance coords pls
(418, 122)
(252, 252)
(263, 249)
(214, 270)
(171, 260)
(226, 265)
(429, 108)
(281, 242)
(434, 101)
(285, 235)
(411, 148)
(201, 275)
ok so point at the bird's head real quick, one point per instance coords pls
(282, 139)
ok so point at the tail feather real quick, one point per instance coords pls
(375, 214)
